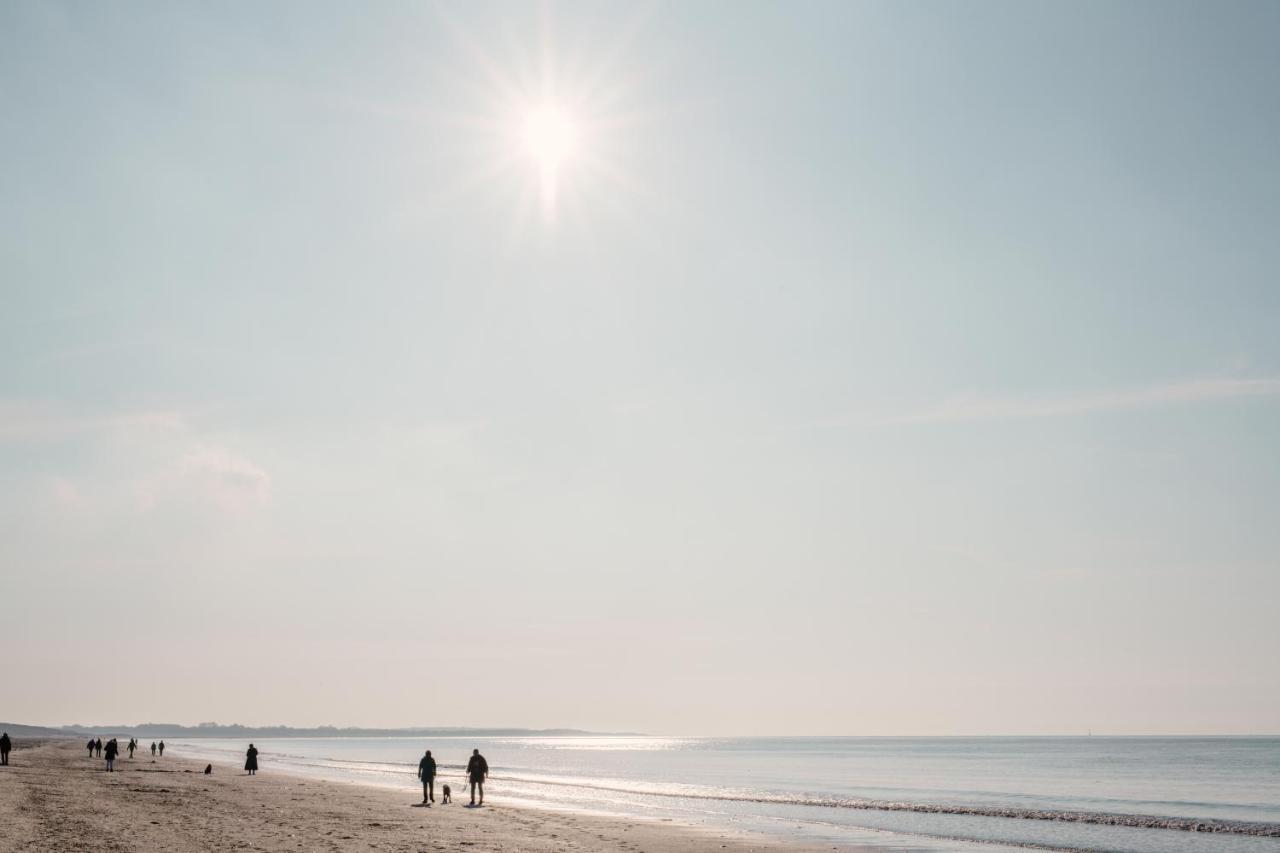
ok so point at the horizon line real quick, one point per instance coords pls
(80, 728)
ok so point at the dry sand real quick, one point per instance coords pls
(54, 798)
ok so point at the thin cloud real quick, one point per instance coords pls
(26, 421)
(159, 457)
(65, 493)
(233, 480)
(212, 473)
(987, 408)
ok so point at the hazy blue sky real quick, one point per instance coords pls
(879, 367)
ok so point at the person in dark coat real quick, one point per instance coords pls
(5, 746)
(477, 770)
(251, 759)
(153, 749)
(113, 749)
(97, 747)
(133, 744)
(427, 773)
(162, 749)
(90, 746)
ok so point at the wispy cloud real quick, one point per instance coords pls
(24, 421)
(962, 409)
(65, 493)
(157, 456)
(209, 473)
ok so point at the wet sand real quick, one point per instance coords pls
(54, 798)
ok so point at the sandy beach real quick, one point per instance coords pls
(54, 798)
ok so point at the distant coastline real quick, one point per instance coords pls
(212, 730)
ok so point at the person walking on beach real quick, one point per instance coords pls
(477, 770)
(162, 749)
(133, 744)
(112, 749)
(427, 773)
(153, 749)
(90, 746)
(251, 759)
(97, 747)
(5, 746)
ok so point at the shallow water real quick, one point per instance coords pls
(1129, 795)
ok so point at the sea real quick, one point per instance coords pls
(1121, 794)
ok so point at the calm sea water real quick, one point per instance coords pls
(1134, 795)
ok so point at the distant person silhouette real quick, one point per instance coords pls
(153, 749)
(251, 759)
(477, 770)
(90, 745)
(427, 773)
(5, 746)
(162, 749)
(113, 749)
(133, 744)
(97, 747)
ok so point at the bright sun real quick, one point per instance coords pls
(550, 135)
(549, 127)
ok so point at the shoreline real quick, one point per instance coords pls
(56, 799)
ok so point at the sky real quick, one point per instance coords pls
(837, 368)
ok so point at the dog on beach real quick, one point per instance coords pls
(446, 794)
(208, 770)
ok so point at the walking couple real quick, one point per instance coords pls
(477, 771)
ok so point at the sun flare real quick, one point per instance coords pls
(550, 135)
(553, 127)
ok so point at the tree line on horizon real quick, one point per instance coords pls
(238, 730)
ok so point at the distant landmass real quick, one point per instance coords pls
(174, 730)
(19, 730)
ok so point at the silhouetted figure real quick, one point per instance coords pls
(90, 746)
(97, 747)
(153, 749)
(133, 744)
(5, 746)
(427, 773)
(208, 770)
(477, 770)
(251, 759)
(113, 749)
(162, 749)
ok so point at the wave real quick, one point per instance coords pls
(1137, 821)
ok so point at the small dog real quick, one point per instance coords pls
(446, 794)
(208, 770)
